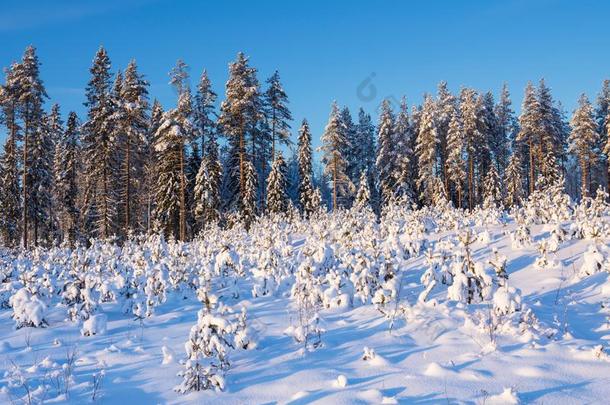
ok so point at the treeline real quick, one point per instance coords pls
(131, 167)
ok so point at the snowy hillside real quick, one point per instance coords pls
(428, 306)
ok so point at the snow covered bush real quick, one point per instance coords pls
(28, 309)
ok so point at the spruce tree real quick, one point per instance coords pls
(30, 98)
(507, 128)
(304, 160)
(492, 189)
(277, 113)
(132, 103)
(474, 137)
(386, 152)
(513, 179)
(239, 116)
(247, 209)
(100, 152)
(425, 148)
(363, 196)
(455, 170)
(445, 104)
(149, 184)
(334, 144)
(172, 137)
(277, 198)
(207, 188)
(602, 112)
(583, 139)
(402, 175)
(528, 123)
(66, 173)
(204, 112)
(10, 190)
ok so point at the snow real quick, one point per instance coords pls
(539, 336)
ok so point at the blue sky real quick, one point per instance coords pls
(324, 50)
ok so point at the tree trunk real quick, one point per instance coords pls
(334, 183)
(127, 186)
(470, 181)
(25, 181)
(585, 173)
(532, 172)
(182, 196)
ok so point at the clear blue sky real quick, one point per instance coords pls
(324, 50)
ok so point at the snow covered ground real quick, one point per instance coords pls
(406, 350)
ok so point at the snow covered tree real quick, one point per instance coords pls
(513, 180)
(363, 197)
(277, 199)
(207, 188)
(239, 114)
(583, 139)
(132, 127)
(492, 189)
(306, 188)
(277, 112)
(425, 148)
(172, 136)
(445, 106)
(527, 131)
(149, 186)
(365, 139)
(247, 207)
(602, 113)
(10, 189)
(403, 176)
(66, 174)
(507, 128)
(386, 157)
(204, 112)
(30, 98)
(455, 165)
(474, 139)
(333, 145)
(100, 153)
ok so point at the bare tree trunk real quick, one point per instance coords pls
(334, 183)
(532, 172)
(105, 232)
(470, 181)
(127, 185)
(25, 180)
(585, 173)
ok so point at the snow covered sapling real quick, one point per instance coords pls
(542, 261)
(593, 261)
(521, 237)
(28, 309)
(498, 263)
(207, 354)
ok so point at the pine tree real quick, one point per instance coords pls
(386, 157)
(455, 170)
(513, 179)
(305, 170)
(528, 122)
(583, 139)
(277, 199)
(132, 126)
(351, 149)
(30, 95)
(425, 148)
(277, 112)
(507, 130)
(333, 145)
(66, 173)
(363, 197)
(367, 151)
(100, 152)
